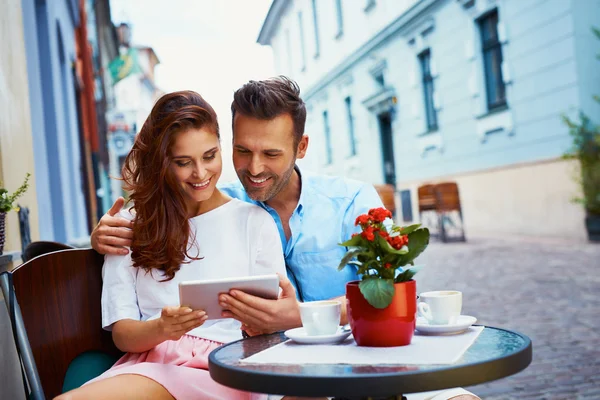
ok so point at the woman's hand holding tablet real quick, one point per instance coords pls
(204, 295)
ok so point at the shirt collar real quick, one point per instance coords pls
(304, 189)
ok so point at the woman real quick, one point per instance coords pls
(184, 228)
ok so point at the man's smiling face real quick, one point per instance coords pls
(264, 154)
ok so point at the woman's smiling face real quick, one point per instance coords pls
(196, 164)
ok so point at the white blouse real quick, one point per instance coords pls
(234, 240)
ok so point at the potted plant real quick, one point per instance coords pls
(382, 305)
(586, 149)
(7, 203)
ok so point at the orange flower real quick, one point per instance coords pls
(362, 219)
(379, 214)
(369, 233)
(398, 241)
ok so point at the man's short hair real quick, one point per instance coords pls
(270, 98)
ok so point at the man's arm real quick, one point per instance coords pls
(260, 315)
(113, 233)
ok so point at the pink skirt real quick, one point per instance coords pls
(181, 367)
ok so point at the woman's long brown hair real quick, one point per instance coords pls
(161, 229)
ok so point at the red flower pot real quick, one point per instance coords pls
(388, 327)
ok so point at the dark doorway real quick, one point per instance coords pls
(387, 148)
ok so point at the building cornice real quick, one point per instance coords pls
(271, 21)
(400, 24)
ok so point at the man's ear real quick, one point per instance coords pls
(302, 146)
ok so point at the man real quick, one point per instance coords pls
(313, 213)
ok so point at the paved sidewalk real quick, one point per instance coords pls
(546, 289)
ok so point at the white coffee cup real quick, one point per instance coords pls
(441, 307)
(321, 317)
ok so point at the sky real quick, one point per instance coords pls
(207, 46)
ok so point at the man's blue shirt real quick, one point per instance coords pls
(324, 217)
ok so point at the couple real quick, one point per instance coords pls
(183, 227)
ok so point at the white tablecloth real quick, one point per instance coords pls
(422, 350)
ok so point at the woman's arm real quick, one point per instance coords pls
(138, 336)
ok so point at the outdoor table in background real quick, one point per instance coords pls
(495, 354)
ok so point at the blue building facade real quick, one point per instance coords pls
(468, 91)
(49, 28)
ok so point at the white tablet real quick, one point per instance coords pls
(204, 295)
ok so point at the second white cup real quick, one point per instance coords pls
(321, 317)
(441, 307)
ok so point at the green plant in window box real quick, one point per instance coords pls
(7, 203)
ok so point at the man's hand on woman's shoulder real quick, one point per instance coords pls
(113, 233)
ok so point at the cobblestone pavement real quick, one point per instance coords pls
(546, 289)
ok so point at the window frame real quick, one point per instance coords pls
(302, 43)
(492, 59)
(350, 122)
(427, 79)
(339, 18)
(327, 132)
(316, 29)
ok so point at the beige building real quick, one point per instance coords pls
(16, 147)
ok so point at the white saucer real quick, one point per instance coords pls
(299, 335)
(463, 322)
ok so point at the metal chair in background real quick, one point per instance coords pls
(428, 214)
(441, 212)
(450, 212)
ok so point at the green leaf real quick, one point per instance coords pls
(378, 292)
(405, 276)
(385, 246)
(366, 266)
(417, 243)
(408, 274)
(347, 257)
(355, 241)
(407, 229)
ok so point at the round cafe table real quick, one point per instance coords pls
(496, 353)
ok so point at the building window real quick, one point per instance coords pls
(316, 25)
(340, 18)
(492, 61)
(328, 150)
(302, 49)
(380, 80)
(350, 119)
(425, 61)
